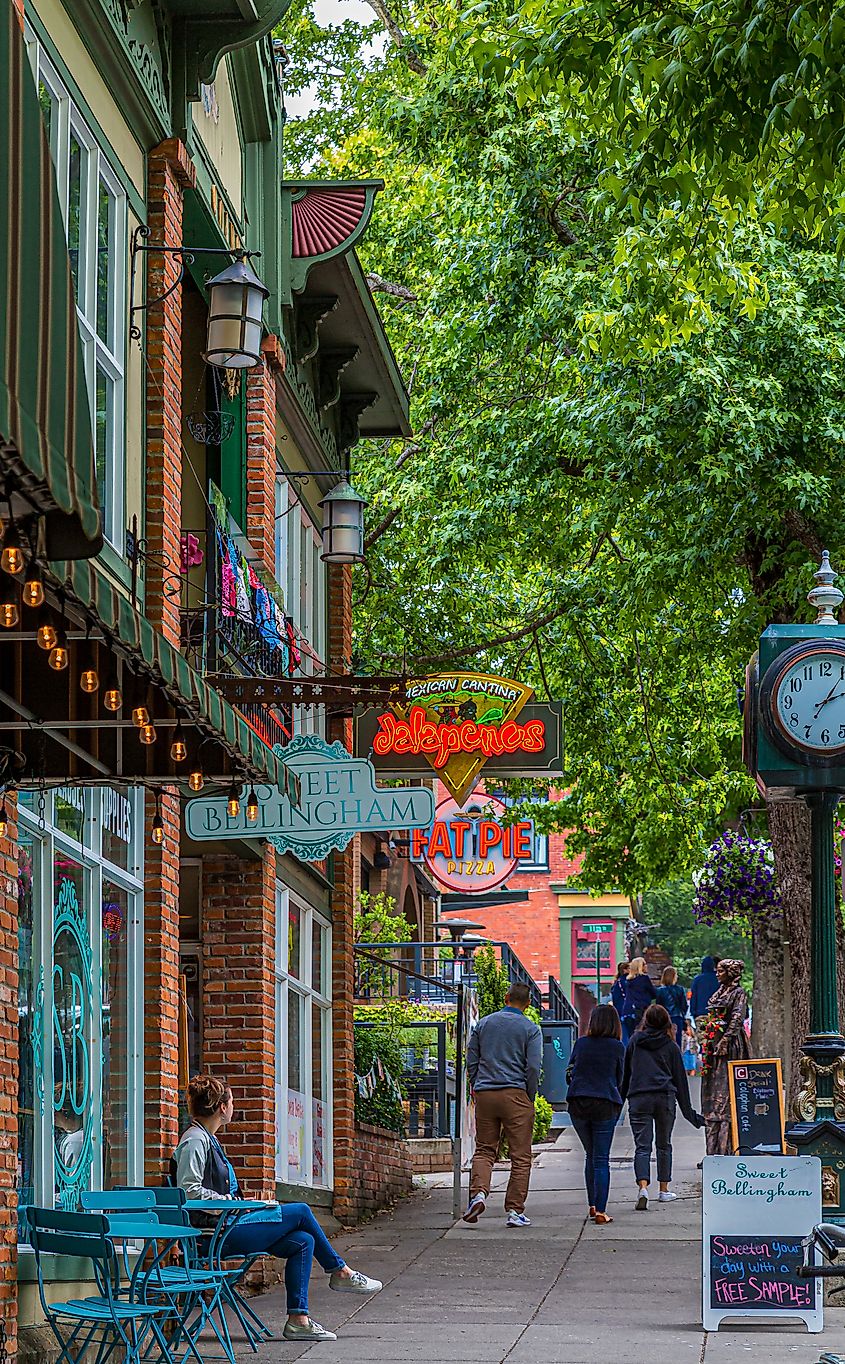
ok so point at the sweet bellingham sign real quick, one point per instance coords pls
(455, 723)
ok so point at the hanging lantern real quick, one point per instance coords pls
(235, 304)
(343, 525)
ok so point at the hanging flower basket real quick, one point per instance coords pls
(737, 881)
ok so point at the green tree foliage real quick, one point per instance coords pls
(624, 465)
(492, 980)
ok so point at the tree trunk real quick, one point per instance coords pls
(770, 1031)
(789, 830)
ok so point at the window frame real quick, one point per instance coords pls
(100, 356)
(302, 988)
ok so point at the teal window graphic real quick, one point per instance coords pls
(73, 1001)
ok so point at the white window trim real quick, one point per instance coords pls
(302, 987)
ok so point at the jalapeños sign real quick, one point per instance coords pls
(455, 724)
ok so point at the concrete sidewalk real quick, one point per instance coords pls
(560, 1292)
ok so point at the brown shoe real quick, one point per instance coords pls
(601, 1219)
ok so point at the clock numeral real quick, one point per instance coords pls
(808, 672)
(793, 719)
(787, 702)
(842, 731)
(797, 684)
(842, 672)
(808, 729)
(825, 669)
(825, 736)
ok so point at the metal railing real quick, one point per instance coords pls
(429, 972)
(559, 1007)
(425, 1078)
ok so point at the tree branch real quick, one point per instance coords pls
(379, 285)
(438, 660)
(397, 36)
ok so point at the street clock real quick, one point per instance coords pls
(794, 708)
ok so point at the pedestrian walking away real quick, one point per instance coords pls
(639, 993)
(617, 989)
(291, 1232)
(594, 1077)
(653, 1081)
(503, 1063)
(673, 997)
(723, 1039)
(705, 984)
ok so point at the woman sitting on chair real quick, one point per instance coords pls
(292, 1232)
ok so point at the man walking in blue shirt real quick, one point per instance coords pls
(503, 1062)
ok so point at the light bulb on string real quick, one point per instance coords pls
(89, 680)
(233, 805)
(196, 780)
(11, 559)
(9, 614)
(147, 734)
(59, 656)
(46, 635)
(112, 698)
(33, 587)
(178, 748)
(140, 714)
(157, 828)
(4, 818)
(252, 806)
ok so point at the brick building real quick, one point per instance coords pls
(174, 524)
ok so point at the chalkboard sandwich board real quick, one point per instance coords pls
(756, 1095)
(756, 1212)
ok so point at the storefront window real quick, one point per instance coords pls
(303, 1027)
(80, 1004)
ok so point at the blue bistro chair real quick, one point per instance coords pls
(192, 1289)
(210, 1260)
(123, 1325)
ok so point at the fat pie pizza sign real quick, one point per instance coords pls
(458, 721)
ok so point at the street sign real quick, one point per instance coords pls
(756, 1212)
(596, 928)
(755, 1089)
(338, 799)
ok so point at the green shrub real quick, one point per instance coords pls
(382, 1108)
(543, 1113)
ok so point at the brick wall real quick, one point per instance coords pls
(261, 452)
(238, 951)
(8, 1084)
(382, 1172)
(161, 989)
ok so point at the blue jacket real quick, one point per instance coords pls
(617, 994)
(639, 993)
(595, 1069)
(704, 985)
(674, 1000)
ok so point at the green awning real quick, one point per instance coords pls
(46, 443)
(169, 671)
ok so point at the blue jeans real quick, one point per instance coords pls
(596, 1139)
(293, 1233)
(629, 1027)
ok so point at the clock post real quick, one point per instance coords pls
(795, 746)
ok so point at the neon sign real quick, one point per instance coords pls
(458, 721)
(471, 849)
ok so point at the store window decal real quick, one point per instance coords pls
(72, 1025)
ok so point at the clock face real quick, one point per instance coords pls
(807, 699)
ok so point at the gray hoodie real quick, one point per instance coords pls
(505, 1052)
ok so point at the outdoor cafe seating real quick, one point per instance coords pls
(160, 1281)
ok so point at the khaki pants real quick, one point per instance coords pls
(512, 1112)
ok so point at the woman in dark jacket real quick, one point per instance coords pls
(673, 997)
(594, 1076)
(617, 989)
(653, 1080)
(639, 993)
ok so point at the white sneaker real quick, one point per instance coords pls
(518, 1219)
(641, 1204)
(312, 1330)
(354, 1282)
(477, 1205)
(665, 1196)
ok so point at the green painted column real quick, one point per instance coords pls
(824, 1004)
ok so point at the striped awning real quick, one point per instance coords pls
(46, 442)
(171, 674)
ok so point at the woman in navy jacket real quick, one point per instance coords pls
(639, 993)
(594, 1101)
